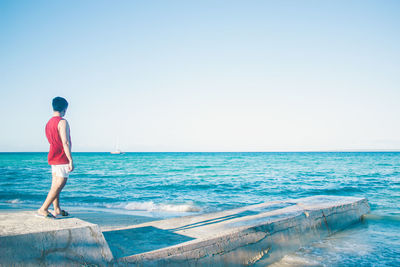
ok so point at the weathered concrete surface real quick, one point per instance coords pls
(26, 240)
(254, 235)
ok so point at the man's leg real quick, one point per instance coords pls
(57, 185)
(56, 201)
(56, 204)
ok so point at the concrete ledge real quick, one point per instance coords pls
(254, 235)
(27, 240)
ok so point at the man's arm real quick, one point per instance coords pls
(63, 129)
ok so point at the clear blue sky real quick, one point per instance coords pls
(202, 75)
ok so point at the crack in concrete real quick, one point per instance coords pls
(45, 252)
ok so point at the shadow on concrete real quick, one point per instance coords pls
(133, 241)
(233, 216)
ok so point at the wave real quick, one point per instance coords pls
(203, 167)
(148, 206)
(14, 201)
(151, 206)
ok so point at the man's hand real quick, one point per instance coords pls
(71, 166)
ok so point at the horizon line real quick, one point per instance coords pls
(271, 151)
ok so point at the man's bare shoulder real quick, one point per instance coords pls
(63, 123)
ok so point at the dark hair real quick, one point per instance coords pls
(59, 104)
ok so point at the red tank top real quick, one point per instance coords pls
(56, 154)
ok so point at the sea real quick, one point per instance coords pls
(165, 185)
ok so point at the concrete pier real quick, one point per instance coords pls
(252, 235)
(26, 240)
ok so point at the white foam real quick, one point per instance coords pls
(296, 261)
(180, 208)
(14, 201)
(151, 206)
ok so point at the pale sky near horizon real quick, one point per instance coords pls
(202, 75)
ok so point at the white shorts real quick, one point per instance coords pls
(60, 170)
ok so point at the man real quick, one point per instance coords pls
(59, 157)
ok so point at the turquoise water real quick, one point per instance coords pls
(176, 184)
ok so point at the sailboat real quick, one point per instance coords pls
(117, 151)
